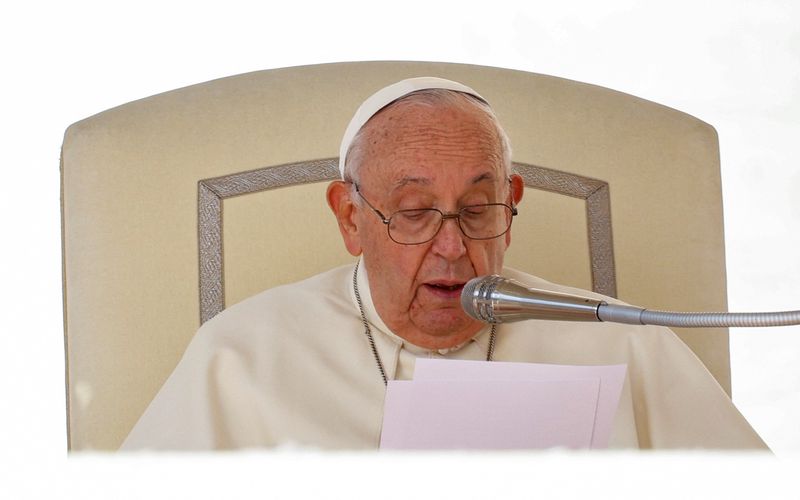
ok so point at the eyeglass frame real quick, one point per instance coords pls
(444, 216)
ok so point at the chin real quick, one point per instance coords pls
(451, 325)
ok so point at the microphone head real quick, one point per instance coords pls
(476, 297)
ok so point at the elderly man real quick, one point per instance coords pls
(427, 201)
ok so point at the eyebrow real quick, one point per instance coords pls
(483, 177)
(424, 181)
(405, 181)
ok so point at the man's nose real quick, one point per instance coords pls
(449, 241)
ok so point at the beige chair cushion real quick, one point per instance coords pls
(134, 224)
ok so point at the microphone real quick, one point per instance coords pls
(495, 299)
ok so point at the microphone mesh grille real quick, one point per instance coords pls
(468, 298)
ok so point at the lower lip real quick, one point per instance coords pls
(445, 293)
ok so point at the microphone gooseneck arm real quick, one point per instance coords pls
(495, 299)
(638, 316)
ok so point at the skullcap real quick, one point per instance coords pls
(388, 95)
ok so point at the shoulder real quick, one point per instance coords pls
(327, 287)
(291, 307)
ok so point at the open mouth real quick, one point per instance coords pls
(445, 289)
(448, 287)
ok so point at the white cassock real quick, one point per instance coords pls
(292, 365)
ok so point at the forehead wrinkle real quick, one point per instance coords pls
(468, 152)
(457, 139)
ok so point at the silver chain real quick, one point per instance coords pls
(367, 329)
(368, 332)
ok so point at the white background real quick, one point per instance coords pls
(734, 64)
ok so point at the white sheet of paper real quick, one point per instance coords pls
(489, 414)
(612, 378)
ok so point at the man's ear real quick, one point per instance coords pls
(517, 190)
(341, 203)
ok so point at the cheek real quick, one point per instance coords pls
(404, 264)
(396, 265)
(487, 258)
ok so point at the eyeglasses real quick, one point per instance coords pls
(421, 225)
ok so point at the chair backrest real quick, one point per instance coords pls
(171, 211)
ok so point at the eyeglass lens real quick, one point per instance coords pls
(476, 222)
